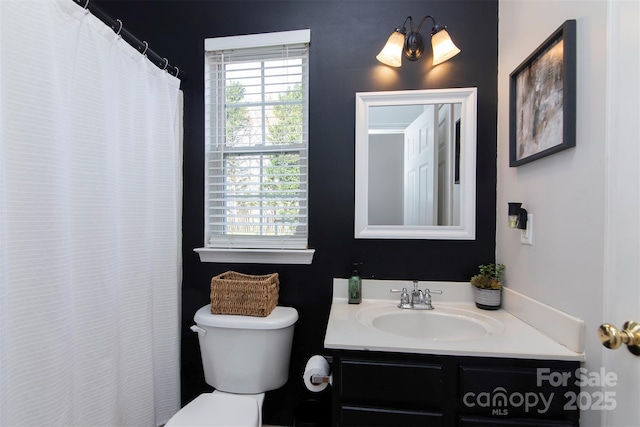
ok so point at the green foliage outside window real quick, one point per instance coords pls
(269, 181)
(237, 117)
(283, 175)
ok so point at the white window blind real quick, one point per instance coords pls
(256, 130)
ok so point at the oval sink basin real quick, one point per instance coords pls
(440, 324)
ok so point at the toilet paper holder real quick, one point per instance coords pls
(319, 379)
(317, 373)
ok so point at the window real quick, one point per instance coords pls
(256, 131)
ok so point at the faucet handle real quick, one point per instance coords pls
(428, 292)
(404, 298)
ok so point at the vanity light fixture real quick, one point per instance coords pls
(517, 216)
(412, 44)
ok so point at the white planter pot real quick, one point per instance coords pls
(487, 299)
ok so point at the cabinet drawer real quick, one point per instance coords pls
(512, 422)
(392, 384)
(506, 392)
(373, 417)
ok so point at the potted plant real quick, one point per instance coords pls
(487, 286)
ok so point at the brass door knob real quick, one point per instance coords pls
(612, 338)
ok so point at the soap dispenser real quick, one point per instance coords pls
(355, 285)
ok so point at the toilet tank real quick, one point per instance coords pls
(246, 354)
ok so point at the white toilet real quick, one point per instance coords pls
(243, 357)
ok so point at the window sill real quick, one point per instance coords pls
(256, 256)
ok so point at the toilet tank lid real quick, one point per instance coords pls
(280, 317)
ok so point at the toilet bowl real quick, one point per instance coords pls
(242, 357)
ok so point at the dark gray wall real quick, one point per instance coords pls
(345, 37)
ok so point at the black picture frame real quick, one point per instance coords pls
(542, 99)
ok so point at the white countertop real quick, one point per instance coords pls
(516, 339)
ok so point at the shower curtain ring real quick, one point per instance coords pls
(166, 62)
(86, 7)
(119, 29)
(146, 47)
(177, 71)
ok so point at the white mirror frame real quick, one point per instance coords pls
(467, 228)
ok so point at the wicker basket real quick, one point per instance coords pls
(243, 294)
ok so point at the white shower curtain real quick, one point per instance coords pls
(90, 205)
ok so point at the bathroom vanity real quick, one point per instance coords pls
(487, 369)
(378, 388)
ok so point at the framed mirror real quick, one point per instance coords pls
(416, 164)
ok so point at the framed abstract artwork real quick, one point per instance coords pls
(542, 99)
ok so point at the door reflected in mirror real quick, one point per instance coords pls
(415, 164)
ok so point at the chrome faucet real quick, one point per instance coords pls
(417, 297)
(419, 300)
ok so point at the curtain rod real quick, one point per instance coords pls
(141, 46)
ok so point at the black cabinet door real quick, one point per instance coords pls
(392, 384)
(353, 416)
(517, 391)
(512, 422)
